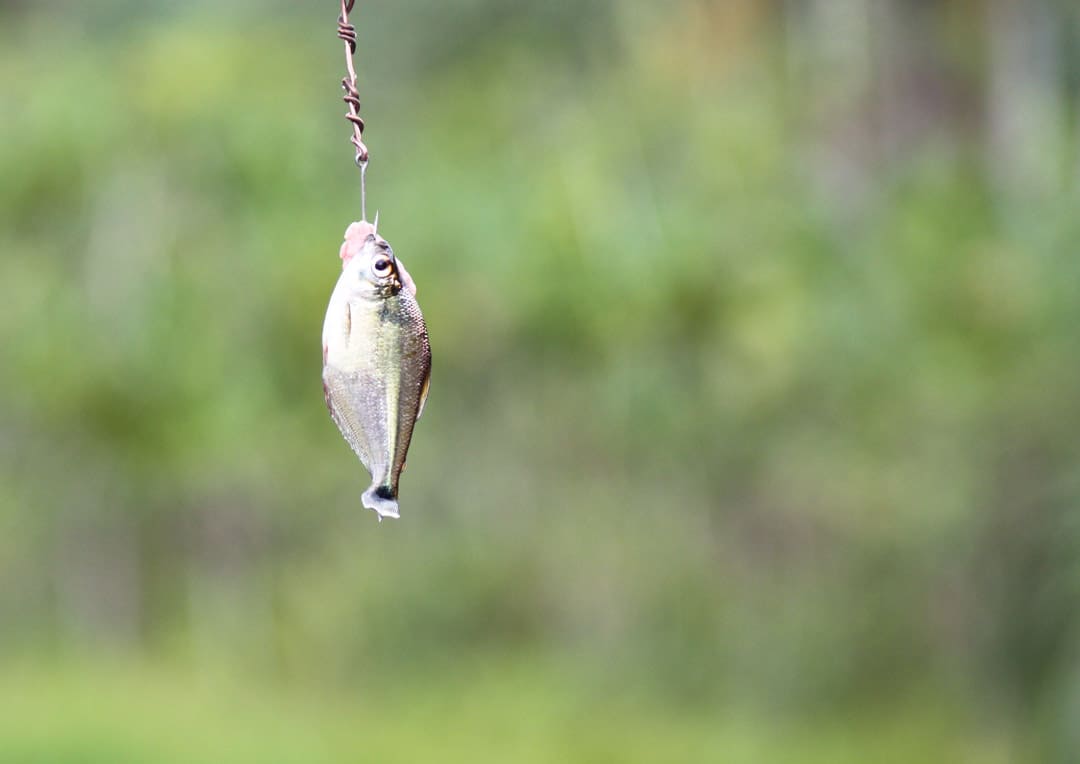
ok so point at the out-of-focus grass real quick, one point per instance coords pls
(501, 712)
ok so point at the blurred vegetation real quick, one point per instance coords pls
(752, 433)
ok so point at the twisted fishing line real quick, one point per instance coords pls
(347, 33)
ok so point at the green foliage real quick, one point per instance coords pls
(720, 462)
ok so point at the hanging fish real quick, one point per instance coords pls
(376, 360)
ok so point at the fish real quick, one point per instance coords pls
(376, 361)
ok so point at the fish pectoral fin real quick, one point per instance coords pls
(329, 398)
(404, 277)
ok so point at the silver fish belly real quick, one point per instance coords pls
(376, 366)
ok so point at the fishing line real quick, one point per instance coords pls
(347, 32)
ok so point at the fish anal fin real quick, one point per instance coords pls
(423, 395)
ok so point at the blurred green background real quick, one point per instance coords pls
(753, 425)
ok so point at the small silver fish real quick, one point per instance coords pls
(376, 361)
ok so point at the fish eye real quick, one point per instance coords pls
(382, 266)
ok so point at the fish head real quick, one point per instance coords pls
(372, 271)
(362, 249)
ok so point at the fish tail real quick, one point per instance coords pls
(381, 498)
